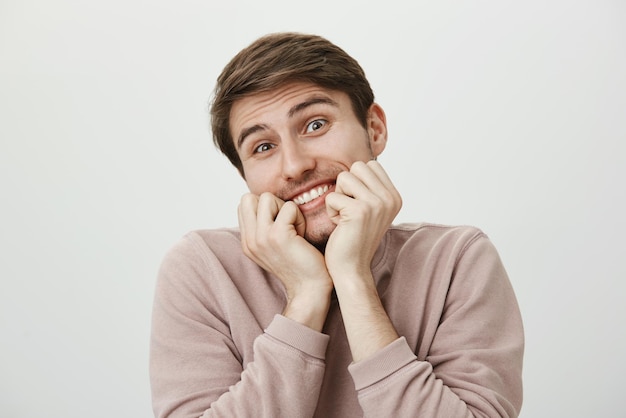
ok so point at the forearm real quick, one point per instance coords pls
(388, 378)
(207, 379)
(209, 352)
(367, 325)
(393, 382)
(285, 376)
(466, 359)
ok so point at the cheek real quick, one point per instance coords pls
(251, 178)
(259, 178)
(255, 184)
(351, 146)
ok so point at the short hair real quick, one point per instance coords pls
(275, 60)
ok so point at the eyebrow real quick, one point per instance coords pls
(310, 102)
(292, 112)
(249, 131)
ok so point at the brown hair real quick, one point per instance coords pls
(275, 60)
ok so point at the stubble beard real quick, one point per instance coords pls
(317, 233)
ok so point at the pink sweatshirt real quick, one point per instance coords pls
(220, 348)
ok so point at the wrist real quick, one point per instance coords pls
(354, 281)
(309, 306)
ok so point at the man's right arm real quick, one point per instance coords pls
(272, 236)
(196, 366)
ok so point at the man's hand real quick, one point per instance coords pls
(272, 236)
(363, 205)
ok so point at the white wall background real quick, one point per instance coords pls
(506, 115)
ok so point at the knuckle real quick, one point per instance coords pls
(343, 176)
(357, 165)
(265, 197)
(247, 199)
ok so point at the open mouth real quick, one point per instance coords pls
(311, 195)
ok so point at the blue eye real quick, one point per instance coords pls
(263, 148)
(315, 125)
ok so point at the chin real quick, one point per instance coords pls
(318, 236)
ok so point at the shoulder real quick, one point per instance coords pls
(201, 241)
(431, 235)
(202, 263)
(201, 249)
(418, 243)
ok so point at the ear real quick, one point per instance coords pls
(377, 129)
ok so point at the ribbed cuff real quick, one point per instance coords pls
(382, 364)
(298, 336)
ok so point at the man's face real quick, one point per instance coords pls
(295, 140)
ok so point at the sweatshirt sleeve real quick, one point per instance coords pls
(474, 364)
(196, 368)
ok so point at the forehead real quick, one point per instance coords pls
(260, 107)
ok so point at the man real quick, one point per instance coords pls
(317, 306)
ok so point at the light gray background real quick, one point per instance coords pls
(505, 115)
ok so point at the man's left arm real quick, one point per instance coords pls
(473, 366)
(468, 374)
(363, 206)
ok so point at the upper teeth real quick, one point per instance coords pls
(310, 195)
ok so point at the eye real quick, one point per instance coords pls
(263, 148)
(315, 125)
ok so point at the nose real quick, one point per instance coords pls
(296, 159)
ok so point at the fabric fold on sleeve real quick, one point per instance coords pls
(382, 364)
(298, 336)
